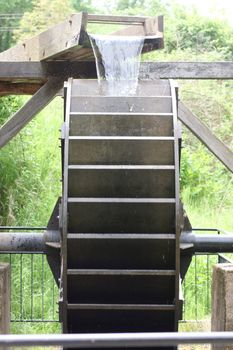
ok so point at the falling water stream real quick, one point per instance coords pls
(117, 63)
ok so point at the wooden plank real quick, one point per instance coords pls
(92, 18)
(203, 133)
(41, 71)
(29, 110)
(49, 43)
(186, 70)
(28, 71)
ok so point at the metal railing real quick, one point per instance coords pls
(117, 340)
(34, 293)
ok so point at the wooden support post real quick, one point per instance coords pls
(203, 133)
(30, 109)
(4, 298)
(222, 302)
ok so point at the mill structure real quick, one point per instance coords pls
(118, 241)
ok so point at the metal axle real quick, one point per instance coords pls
(35, 242)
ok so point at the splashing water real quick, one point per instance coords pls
(117, 62)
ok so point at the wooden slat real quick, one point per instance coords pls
(29, 110)
(203, 133)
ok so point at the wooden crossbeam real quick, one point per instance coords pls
(29, 110)
(186, 70)
(26, 77)
(30, 71)
(203, 133)
(41, 71)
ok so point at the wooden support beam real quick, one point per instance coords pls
(20, 78)
(8, 88)
(41, 71)
(29, 110)
(31, 71)
(203, 133)
(186, 70)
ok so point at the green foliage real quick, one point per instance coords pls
(34, 294)
(11, 7)
(186, 29)
(30, 168)
(140, 7)
(45, 13)
(83, 5)
(203, 180)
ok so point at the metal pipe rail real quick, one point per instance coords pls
(116, 340)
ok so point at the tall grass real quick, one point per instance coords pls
(30, 168)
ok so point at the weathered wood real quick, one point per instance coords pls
(92, 18)
(30, 71)
(41, 71)
(8, 88)
(67, 40)
(203, 133)
(25, 78)
(29, 110)
(50, 43)
(186, 70)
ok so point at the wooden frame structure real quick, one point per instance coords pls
(40, 65)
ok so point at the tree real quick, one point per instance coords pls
(83, 5)
(141, 7)
(45, 13)
(10, 15)
(187, 29)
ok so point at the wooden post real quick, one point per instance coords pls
(4, 298)
(222, 301)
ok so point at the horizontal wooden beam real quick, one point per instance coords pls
(29, 110)
(30, 71)
(20, 78)
(203, 133)
(186, 70)
(92, 18)
(41, 71)
(7, 88)
(27, 77)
